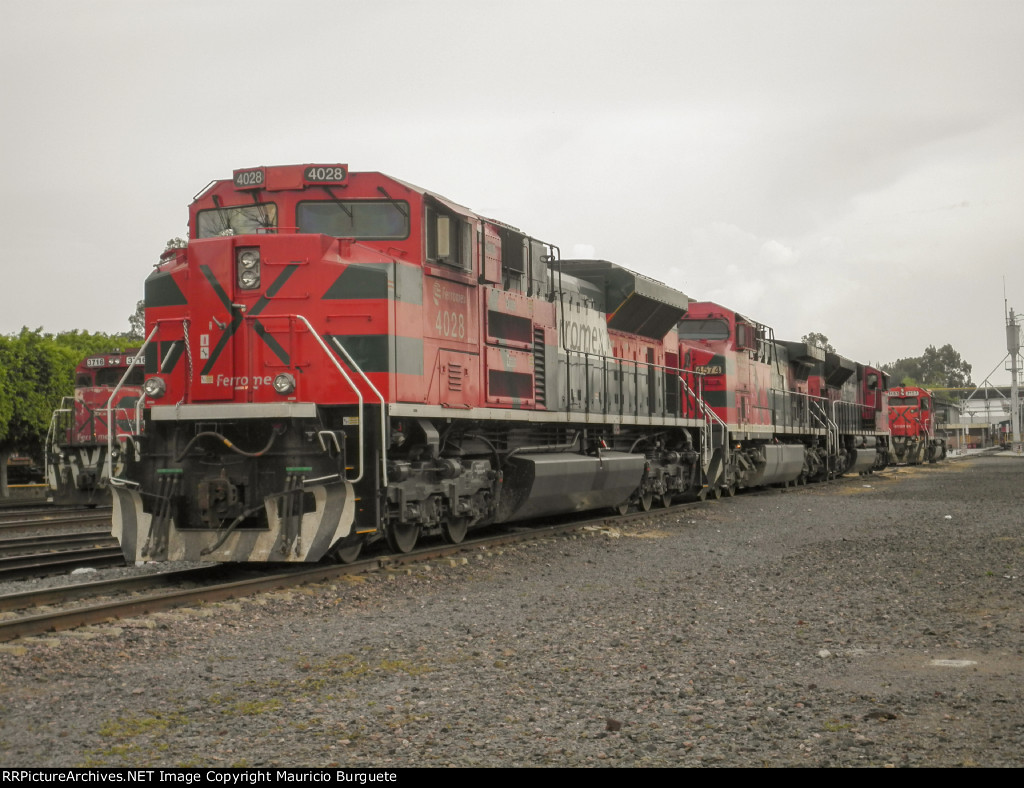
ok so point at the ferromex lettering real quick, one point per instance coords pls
(584, 330)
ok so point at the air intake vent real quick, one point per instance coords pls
(539, 377)
(454, 377)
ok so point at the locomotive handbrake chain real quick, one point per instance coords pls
(188, 358)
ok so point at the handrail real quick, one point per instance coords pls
(706, 430)
(833, 433)
(707, 414)
(709, 417)
(383, 411)
(383, 408)
(352, 385)
(625, 365)
(51, 432)
(111, 425)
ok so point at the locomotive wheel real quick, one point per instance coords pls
(715, 493)
(454, 531)
(665, 500)
(401, 537)
(646, 502)
(349, 553)
(622, 508)
(731, 490)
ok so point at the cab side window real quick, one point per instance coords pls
(449, 239)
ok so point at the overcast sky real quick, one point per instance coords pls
(853, 168)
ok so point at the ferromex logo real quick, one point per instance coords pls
(443, 295)
(584, 331)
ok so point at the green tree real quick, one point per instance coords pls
(38, 374)
(936, 368)
(137, 323)
(36, 371)
(6, 407)
(819, 340)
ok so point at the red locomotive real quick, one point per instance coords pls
(336, 357)
(790, 411)
(80, 450)
(912, 424)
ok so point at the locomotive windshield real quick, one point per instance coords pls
(354, 218)
(237, 220)
(901, 401)
(111, 376)
(703, 329)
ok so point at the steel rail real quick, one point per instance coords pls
(22, 566)
(103, 612)
(57, 541)
(25, 600)
(100, 613)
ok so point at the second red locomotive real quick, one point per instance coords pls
(85, 442)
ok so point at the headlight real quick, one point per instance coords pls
(248, 265)
(249, 280)
(154, 387)
(284, 383)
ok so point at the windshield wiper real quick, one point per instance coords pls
(339, 203)
(394, 202)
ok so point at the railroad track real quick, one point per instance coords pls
(150, 593)
(36, 542)
(25, 509)
(21, 544)
(52, 519)
(20, 567)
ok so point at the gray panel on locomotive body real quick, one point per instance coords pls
(408, 283)
(408, 355)
(556, 391)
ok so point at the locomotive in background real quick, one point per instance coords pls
(80, 450)
(912, 417)
(335, 358)
(793, 412)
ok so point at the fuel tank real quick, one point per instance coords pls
(535, 485)
(782, 463)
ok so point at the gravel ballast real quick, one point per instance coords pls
(872, 622)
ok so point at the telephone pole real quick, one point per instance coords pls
(1013, 348)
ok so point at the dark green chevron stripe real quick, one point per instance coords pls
(162, 290)
(374, 353)
(359, 281)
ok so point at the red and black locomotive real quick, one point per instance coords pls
(912, 416)
(791, 412)
(337, 357)
(82, 451)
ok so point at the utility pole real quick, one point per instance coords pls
(1013, 348)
